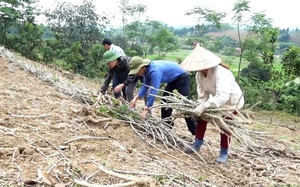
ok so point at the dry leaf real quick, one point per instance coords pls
(47, 179)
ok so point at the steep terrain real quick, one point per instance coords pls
(48, 137)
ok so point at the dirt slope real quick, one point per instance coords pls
(36, 123)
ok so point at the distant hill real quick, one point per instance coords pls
(231, 33)
(294, 37)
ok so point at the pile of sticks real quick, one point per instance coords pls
(60, 84)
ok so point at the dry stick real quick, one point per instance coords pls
(85, 138)
(87, 178)
(95, 121)
(165, 151)
(84, 183)
(138, 172)
(220, 120)
(23, 116)
(14, 153)
(163, 140)
(58, 83)
(8, 130)
(134, 181)
(180, 173)
(54, 165)
(114, 174)
(61, 153)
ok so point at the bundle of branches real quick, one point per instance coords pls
(58, 82)
(223, 118)
(158, 129)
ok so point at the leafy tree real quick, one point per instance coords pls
(28, 41)
(123, 4)
(164, 40)
(77, 23)
(268, 44)
(291, 62)
(76, 29)
(134, 12)
(207, 19)
(94, 67)
(289, 100)
(17, 28)
(150, 35)
(257, 22)
(257, 71)
(256, 92)
(284, 36)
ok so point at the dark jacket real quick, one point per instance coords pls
(122, 68)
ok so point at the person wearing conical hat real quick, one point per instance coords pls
(156, 72)
(216, 87)
(118, 72)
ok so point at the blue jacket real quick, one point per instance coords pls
(157, 72)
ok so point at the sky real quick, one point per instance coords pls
(283, 13)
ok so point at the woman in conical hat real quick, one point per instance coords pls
(216, 87)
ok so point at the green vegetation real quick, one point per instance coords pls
(251, 47)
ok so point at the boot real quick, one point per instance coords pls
(195, 148)
(223, 156)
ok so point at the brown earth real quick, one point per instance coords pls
(39, 126)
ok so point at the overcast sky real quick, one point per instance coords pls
(283, 13)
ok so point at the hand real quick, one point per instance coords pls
(118, 88)
(145, 112)
(132, 103)
(99, 99)
(199, 110)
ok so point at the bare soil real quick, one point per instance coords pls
(39, 127)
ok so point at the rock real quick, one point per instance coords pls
(29, 151)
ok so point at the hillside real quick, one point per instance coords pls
(294, 37)
(51, 137)
(231, 33)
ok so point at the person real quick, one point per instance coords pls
(154, 73)
(118, 72)
(216, 87)
(108, 45)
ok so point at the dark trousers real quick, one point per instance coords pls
(118, 79)
(128, 90)
(201, 128)
(182, 85)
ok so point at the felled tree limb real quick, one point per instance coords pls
(133, 181)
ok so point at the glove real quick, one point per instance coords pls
(200, 109)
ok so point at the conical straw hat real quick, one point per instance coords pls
(200, 59)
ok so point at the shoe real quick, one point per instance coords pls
(195, 148)
(223, 156)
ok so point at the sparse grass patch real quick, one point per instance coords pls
(258, 127)
(282, 137)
